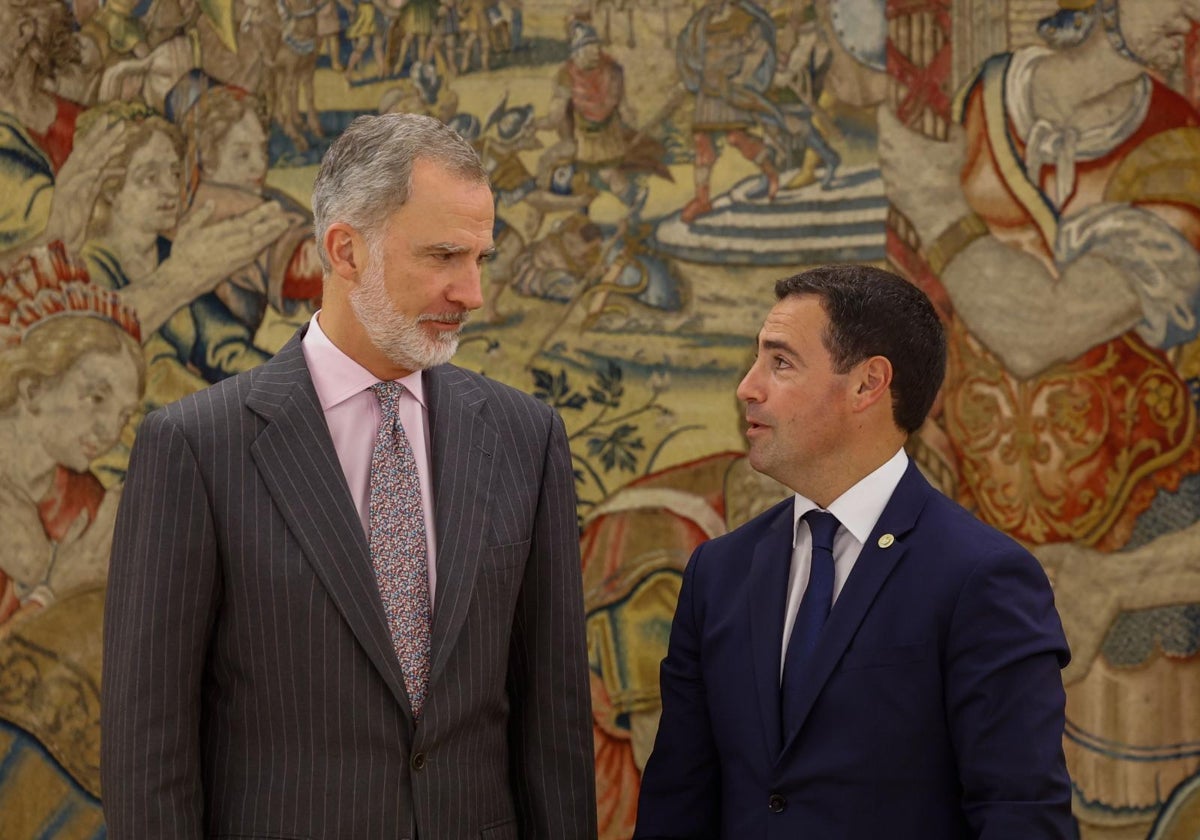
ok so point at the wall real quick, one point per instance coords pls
(1050, 212)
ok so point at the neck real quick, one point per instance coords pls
(1091, 70)
(23, 96)
(849, 466)
(340, 326)
(30, 470)
(209, 182)
(133, 248)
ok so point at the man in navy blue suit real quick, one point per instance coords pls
(866, 659)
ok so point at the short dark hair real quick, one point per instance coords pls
(873, 312)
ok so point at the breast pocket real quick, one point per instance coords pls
(860, 658)
(506, 556)
(503, 831)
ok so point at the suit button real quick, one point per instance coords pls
(418, 761)
(776, 803)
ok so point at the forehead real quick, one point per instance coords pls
(797, 319)
(433, 178)
(102, 368)
(1160, 11)
(438, 191)
(247, 125)
(157, 147)
(445, 207)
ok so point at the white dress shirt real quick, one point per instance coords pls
(352, 413)
(858, 509)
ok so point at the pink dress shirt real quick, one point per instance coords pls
(352, 413)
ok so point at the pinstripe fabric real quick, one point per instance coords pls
(250, 686)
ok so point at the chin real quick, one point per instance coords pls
(77, 464)
(755, 460)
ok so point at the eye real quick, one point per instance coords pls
(781, 363)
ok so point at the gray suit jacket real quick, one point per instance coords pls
(250, 687)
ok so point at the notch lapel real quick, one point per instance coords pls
(871, 571)
(295, 455)
(463, 443)
(766, 603)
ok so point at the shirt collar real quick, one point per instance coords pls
(337, 377)
(859, 508)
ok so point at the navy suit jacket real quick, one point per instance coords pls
(935, 709)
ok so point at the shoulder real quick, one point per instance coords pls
(965, 547)
(103, 266)
(222, 405)
(747, 16)
(502, 401)
(611, 64)
(18, 151)
(1171, 107)
(741, 540)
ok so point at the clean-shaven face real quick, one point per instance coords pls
(797, 406)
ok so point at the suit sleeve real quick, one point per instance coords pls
(162, 587)
(681, 786)
(553, 774)
(1005, 701)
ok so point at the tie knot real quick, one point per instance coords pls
(388, 394)
(823, 526)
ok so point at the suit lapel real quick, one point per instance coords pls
(871, 571)
(463, 443)
(766, 604)
(296, 458)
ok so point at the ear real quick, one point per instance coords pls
(872, 382)
(28, 390)
(26, 32)
(347, 250)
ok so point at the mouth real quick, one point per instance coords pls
(753, 427)
(448, 322)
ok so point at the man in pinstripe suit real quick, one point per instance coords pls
(251, 684)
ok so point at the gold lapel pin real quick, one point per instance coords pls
(886, 540)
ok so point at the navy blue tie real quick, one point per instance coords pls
(810, 617)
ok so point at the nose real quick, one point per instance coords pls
(106, 428)
(168, 188)
(467, 291)
(749, 389)
(258, 160)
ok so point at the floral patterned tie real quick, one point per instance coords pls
(398, 549)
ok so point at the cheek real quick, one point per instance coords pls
(59, 412)
(58, 439)
(134, 202)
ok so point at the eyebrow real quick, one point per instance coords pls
(776, 344)
(453, 248)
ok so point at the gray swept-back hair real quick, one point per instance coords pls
(366, 175)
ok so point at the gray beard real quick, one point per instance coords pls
(399, 337)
